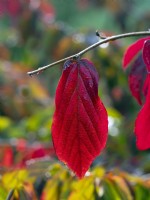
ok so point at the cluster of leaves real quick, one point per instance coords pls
(139, 85)
(80, 122)
(19, 152)
(55, 182)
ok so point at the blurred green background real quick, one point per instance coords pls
(34, 33)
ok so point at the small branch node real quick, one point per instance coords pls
(100, 35)
(75, 57)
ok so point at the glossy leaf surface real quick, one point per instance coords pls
(80, 123)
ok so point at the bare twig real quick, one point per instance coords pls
(108, 39)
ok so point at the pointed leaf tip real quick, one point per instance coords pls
(80, 122)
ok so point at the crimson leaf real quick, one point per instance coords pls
(142, 130)
(132, 51)
(136, 78)
(146, 58)
(80, 122)
(146, 54)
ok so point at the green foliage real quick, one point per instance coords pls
(60, 184)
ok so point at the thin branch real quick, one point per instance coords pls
(108, 39)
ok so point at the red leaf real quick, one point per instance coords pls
(38, 153)
(8, 157)
(132, 51)
(146, 54)
(146, 58)
(80, 122)
(142, 130)
(145, 86)
(13, 7)
(136, 78)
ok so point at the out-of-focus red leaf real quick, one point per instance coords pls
(21, 145)
(47, 8)
(146, 54)
(132, 51)
(13, 7)
(48, 11)
(1, 8)
(39, 152)
(142, 130)
(34, 153)
(80, 123)
(8, 157)
(136, 78)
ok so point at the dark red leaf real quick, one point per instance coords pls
(80, 122)
(146, 54)
(136, 78)
(146, 58)
(145, 86)
(142, 128)
(132, 51)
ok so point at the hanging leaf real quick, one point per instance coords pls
(80, 123)
(142, 130)
(132, 51)
(136, 78)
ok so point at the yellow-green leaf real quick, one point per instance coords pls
(15, 179)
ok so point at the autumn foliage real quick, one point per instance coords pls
(142, 130)
(80, 123)
(139, 80)
(88, 137)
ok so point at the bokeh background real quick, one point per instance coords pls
(34, 33)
